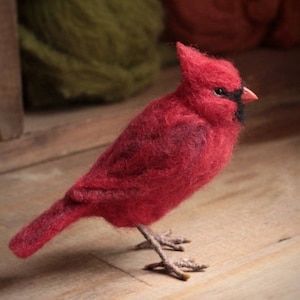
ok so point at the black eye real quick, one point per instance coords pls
(219, 92)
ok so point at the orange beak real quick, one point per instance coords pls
(248, 96)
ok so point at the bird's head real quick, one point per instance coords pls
(212, 87)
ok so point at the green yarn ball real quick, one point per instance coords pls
(94, 49)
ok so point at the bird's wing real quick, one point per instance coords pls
(161, 156)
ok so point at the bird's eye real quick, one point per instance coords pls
(219, 92)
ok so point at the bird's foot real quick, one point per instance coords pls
(172, 267)
(175, 267)
(166, 240)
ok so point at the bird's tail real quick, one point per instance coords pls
(46, 226)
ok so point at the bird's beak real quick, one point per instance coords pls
(248, 96)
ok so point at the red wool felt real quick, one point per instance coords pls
(174, 147)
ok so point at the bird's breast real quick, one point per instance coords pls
(215, 155)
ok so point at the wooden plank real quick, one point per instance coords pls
(11, 107)
(245, 225)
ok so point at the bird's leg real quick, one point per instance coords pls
(173, 267)
(164, 239)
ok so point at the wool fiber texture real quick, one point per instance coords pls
(91, 51)
(179, 143)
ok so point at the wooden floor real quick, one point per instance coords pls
(245, 225)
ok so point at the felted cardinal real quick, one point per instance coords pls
(177, 144)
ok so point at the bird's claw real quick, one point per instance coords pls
(166, 240)
(174, 267)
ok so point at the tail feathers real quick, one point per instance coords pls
(46, 226)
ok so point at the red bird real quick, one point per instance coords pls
(170, 150)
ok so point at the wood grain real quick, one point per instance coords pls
(245, 225)
(11, 107)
